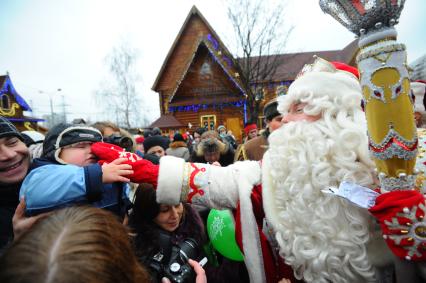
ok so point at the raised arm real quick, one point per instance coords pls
(204, 184)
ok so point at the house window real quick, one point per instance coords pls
(208, 122)
(5, 101)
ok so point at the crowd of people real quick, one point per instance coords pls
(52, 183)
(94, 203)
(74, 208)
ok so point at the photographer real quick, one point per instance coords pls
(162, 231)
(115, 135)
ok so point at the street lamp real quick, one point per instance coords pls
(52, 116)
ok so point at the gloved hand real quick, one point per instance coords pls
(401, 217)
(143, 170)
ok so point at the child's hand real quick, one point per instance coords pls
(115, 171)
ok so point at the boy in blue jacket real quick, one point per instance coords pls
(68, 173)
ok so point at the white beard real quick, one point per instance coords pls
(322, 237)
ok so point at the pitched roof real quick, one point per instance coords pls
(7, 86)
(291, 63)
(193, 12)
(166, 121)
(224, 62)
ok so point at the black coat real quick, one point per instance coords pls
(9, 200)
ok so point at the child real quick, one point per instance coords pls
(67, 173)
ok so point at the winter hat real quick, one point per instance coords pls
(324, 88)
(154, 141)
(249, 127)
(156, 131)
(7, 129)
(139, 140)
(178, 137)
(210, 142)
(220, 127)
(270, 110)
(64, 134)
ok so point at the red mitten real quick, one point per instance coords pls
(143, 170)
(401, 217)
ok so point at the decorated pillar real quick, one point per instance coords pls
(387, 101)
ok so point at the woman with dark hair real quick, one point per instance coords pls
(160, 228)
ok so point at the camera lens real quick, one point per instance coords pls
(188, 249)
(126, 142)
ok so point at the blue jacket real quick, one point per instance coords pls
(51, 185)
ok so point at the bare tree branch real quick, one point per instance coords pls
(260, 33)
(118, 94)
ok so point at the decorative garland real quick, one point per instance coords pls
(11, 111)
(196, 107)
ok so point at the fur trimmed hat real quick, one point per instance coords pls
(210, 142)
(7, 129)
(64, 134)
(323, 86)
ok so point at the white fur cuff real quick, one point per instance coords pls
(170, 180)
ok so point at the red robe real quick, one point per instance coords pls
(275, 267)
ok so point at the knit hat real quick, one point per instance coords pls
(64, 134)
(270, 110)
(178, 137)
(220, 127)
(139, 140)
(7, 129)
(155, 141)
(249, 127)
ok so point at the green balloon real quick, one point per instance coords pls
(221, 231)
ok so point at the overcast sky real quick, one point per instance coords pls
(51, 44)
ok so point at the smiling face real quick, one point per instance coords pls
(169, 217)
(14, 160)
(79, 154)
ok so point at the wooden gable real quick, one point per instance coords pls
(194, 32)
(206, 82)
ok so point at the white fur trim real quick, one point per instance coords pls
(170, 179)
(248, 176)
(268, 192)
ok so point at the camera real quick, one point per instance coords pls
(177, 269)
(124, 142)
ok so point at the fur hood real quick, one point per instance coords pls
(212, 143)
(177, 144)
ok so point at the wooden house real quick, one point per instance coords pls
(12, 107)
(199, 85)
